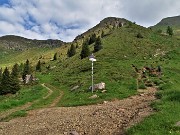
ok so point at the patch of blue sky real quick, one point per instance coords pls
(29, 22)
(4, 2)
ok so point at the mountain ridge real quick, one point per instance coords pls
(170, 21)
(13, 42)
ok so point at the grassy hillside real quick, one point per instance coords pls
(121, 49)
(18, 49)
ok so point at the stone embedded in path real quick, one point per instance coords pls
(73, 133)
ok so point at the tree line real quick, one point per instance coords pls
(10, 80)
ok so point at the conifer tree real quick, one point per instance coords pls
(14, 83)
(55, 56)
(72, 51)
(85, 52)
(5, 83)
(98, 45)
(169, 31)
(0, 75)
(68, 52)
(15, 70)
(0, 78)
(26, 69)
(38, 66)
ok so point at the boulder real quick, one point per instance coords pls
(28, 79)
(99, 86)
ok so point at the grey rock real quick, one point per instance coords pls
(73, 133)
(93, 96)
(75, 87)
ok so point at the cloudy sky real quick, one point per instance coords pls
(65, 19)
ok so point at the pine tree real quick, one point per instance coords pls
(26, 70)
(169, 31)
(0, 79)
(14, 83)
(15, 70)
(72, 51)
(85, 52)
(55, 56)
(0, 74)
(21, 68)
(5, 83)
(68, 53)
(139, 35)
(98, 45)
(38, 66)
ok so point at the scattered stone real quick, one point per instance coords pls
(105, 102)
(141, 94)
(93, 96)
(73, 133)
(103, 91)
(75, 87)
(121, 109)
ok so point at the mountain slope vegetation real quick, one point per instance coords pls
(123, 46)
(17, 49)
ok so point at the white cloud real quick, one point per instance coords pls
(65, 19)
(6, 27)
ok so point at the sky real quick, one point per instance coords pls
(65, 19)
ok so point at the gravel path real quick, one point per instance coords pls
(109, 118)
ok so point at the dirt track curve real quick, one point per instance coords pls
(109, 118)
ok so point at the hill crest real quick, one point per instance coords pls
(170, 21)
(14, 42)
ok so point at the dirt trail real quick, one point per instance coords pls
(109, 118)
(49, 91)
(57, 99)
